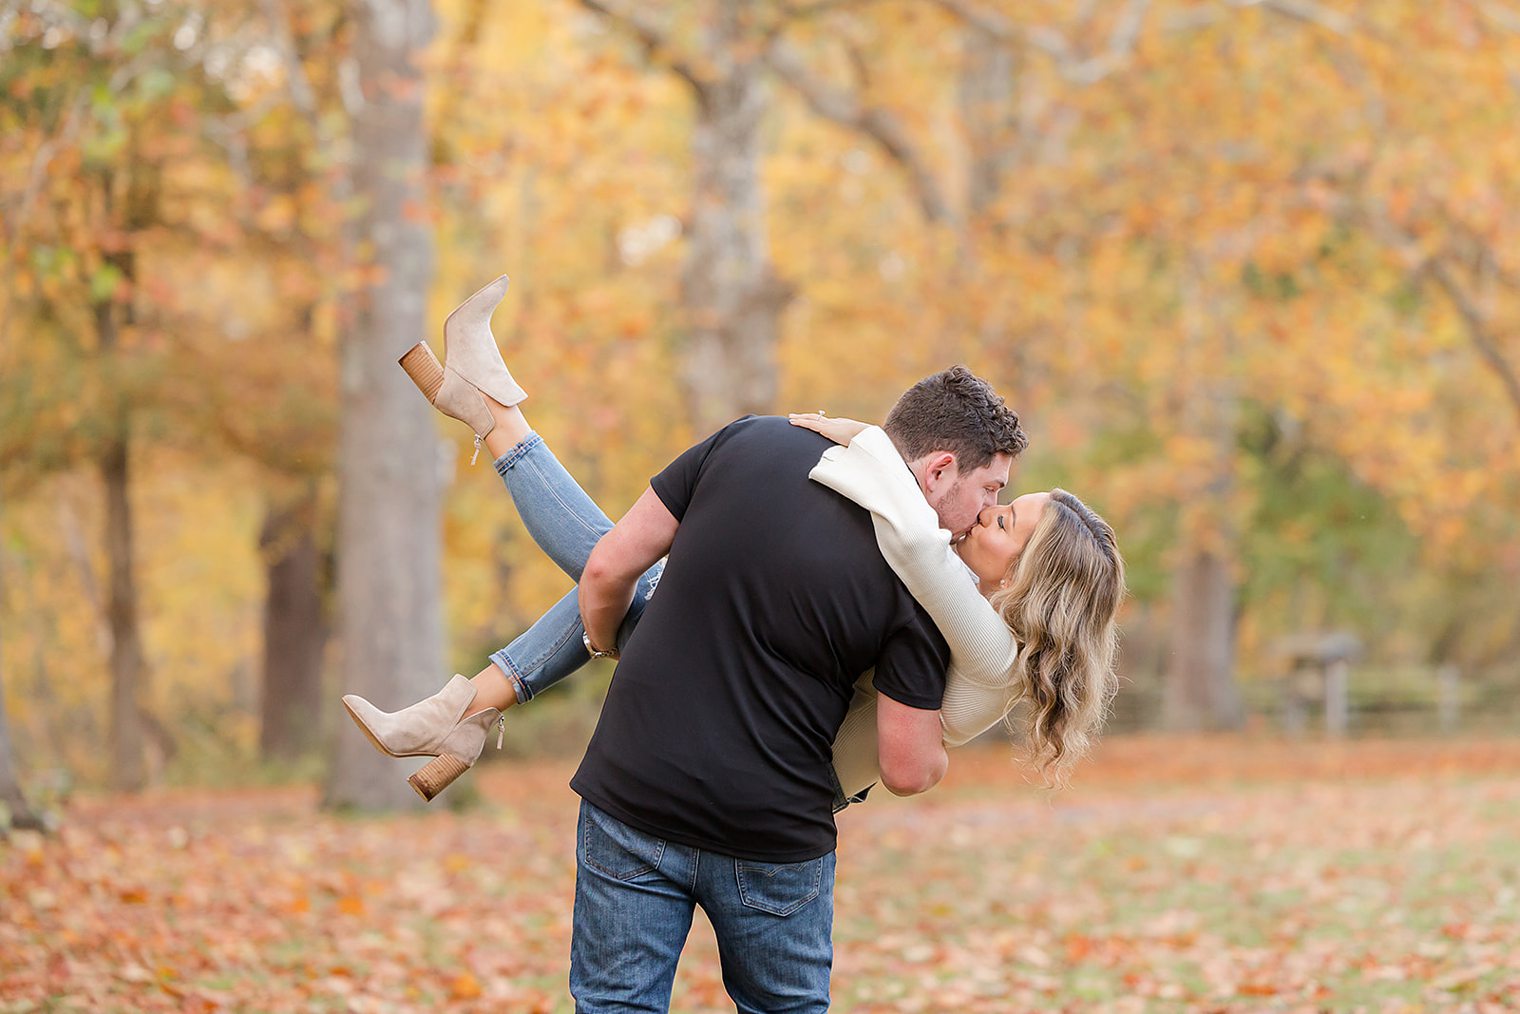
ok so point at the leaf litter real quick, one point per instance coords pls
(1175, 874)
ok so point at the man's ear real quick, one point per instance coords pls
(939, 471)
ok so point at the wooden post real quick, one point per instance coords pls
(1337, 676)
(1293, 717)
(1447, 703)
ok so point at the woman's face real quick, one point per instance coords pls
(999, 536)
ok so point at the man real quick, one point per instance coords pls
(708, 780)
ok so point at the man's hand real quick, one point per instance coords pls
(613, 569)
(909, 749)
(841, 431)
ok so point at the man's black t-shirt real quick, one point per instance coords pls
(718, 728)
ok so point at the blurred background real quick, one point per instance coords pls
(1247, 270)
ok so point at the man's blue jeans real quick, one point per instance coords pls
(634, 897)
(634, 894)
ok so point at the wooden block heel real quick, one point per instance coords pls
(448, 392)
(436, 775)
(425, 370)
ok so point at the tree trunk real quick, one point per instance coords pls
(21, 813)
(295, 632)
(14, 800)
(128, 670)
(986, 93)
(133, 210)
(986, 98)
(1200, 689)
(129, 202)
(389, 609)
(730, 292)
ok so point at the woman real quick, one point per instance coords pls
(1026, 600)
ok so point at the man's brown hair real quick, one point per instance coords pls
(955, 411)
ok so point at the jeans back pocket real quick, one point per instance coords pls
(779, 888)
(612, 847)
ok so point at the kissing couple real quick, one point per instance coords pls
(799, 609)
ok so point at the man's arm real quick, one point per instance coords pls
(910, 685)
(632, 547)
(908, 747)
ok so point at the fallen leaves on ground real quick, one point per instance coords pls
(1211, 875)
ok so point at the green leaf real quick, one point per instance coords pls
(155, 84)
(139, 37)
(103, 282)
(52, 261)
(102, 148)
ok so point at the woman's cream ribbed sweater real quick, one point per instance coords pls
(978, 687)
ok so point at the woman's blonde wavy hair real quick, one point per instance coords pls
(1062, 602)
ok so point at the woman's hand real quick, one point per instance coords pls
(841, 431)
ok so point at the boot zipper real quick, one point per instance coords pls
(477, 449)
(501, 730)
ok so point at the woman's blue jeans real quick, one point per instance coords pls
(566, 524)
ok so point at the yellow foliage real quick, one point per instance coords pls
(1239, 210)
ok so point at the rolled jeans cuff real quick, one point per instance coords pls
(519, 685)
(508, 461)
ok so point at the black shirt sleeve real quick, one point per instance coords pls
(677, 483)
(911, 668)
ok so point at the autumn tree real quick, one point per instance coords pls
(732, 297)
(389, 611)
(1159, 252)
(281, 413)
(104, 101)
(164, 139)
(1247, 271)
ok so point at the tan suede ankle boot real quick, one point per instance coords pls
(434, 727)
(472, 365)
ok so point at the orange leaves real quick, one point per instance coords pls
(277, 214)
(1078, 947)
(1203, 874)
(465, 987)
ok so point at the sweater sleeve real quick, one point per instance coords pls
(969, 710)
(870, 472)
(978, 686)
(855, 758)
